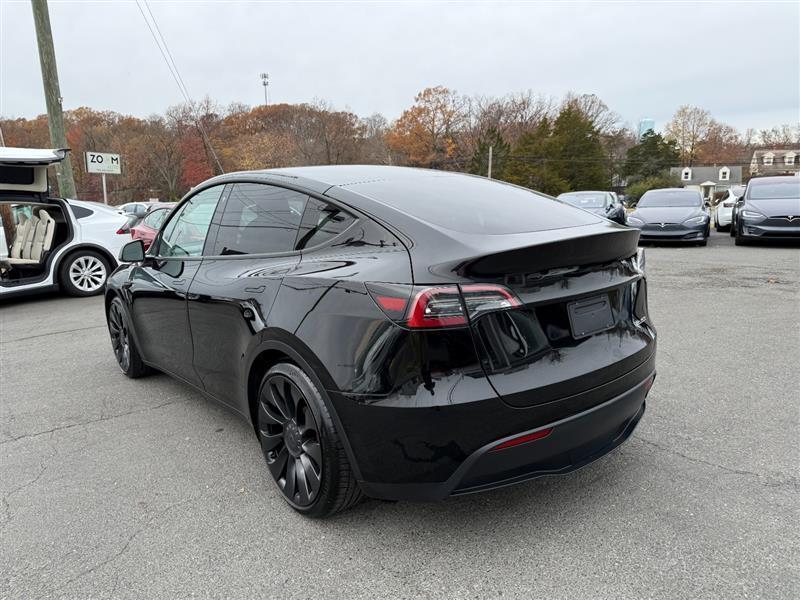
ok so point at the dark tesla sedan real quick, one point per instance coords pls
(671, 215)
(769, 209)
(604, 204)
(398, 333)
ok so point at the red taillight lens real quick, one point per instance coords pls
(727, 204)
(435, 307)
(121, 231)
(523, 439)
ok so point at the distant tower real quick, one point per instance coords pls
(646, 125)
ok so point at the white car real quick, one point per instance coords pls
(51, 243)
(724, 212)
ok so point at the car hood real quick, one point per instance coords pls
(775, 207)
(666, 214)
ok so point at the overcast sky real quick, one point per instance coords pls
(741, 61)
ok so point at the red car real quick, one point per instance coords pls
(148, 227)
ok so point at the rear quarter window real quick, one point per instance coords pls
(321, 222)
(80, 212)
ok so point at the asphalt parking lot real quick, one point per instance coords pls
(120, 488)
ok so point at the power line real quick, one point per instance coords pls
(176, 75)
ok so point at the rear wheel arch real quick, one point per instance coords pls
(112, 261)
(289, 349)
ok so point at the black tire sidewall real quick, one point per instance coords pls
(327, 436)
(136, 368)
(63, 273)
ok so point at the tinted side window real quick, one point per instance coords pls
(186, 231)
(259, 219)
(321, 222)
(80, 212)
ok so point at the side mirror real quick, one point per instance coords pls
(132, 252)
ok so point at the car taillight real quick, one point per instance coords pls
(440, 306)
(727, 204)
(121, 231)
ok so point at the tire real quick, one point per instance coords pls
(301, 445)
(83, 273)
(739, 239)
(704, 242)
(123, 344)
(731, 229)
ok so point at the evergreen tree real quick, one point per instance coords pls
(576, 152)
(528, 165)
(500, 151)
(651, 157)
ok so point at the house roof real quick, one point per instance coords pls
(703, 175)
(777, 153)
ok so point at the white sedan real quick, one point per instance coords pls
(724, 211)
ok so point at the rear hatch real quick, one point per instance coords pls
(577, 324)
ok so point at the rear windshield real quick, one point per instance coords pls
(775, 189)
(473, 204)
(584, 200)
(669, 198)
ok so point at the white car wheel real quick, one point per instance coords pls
(84, 274)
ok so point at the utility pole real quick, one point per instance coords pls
(490, 162)
(52, 95)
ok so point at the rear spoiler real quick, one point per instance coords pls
(31, 156)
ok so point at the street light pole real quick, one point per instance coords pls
(265, 83)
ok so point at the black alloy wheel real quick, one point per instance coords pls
(290, 439)
(125, 351)
(120, 339)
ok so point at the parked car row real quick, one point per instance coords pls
(49, 243)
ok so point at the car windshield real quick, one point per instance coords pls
(775, 189)
(584, 200)
(669, 198)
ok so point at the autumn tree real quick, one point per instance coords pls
(426, 134)
(780, 136)
(373, 149)
(688, 128)
(602, 118)
(722, 144)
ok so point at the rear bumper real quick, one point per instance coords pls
(575, 441)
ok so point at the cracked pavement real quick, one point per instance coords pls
(113, 488)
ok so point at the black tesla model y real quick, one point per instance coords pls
(391, 332)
